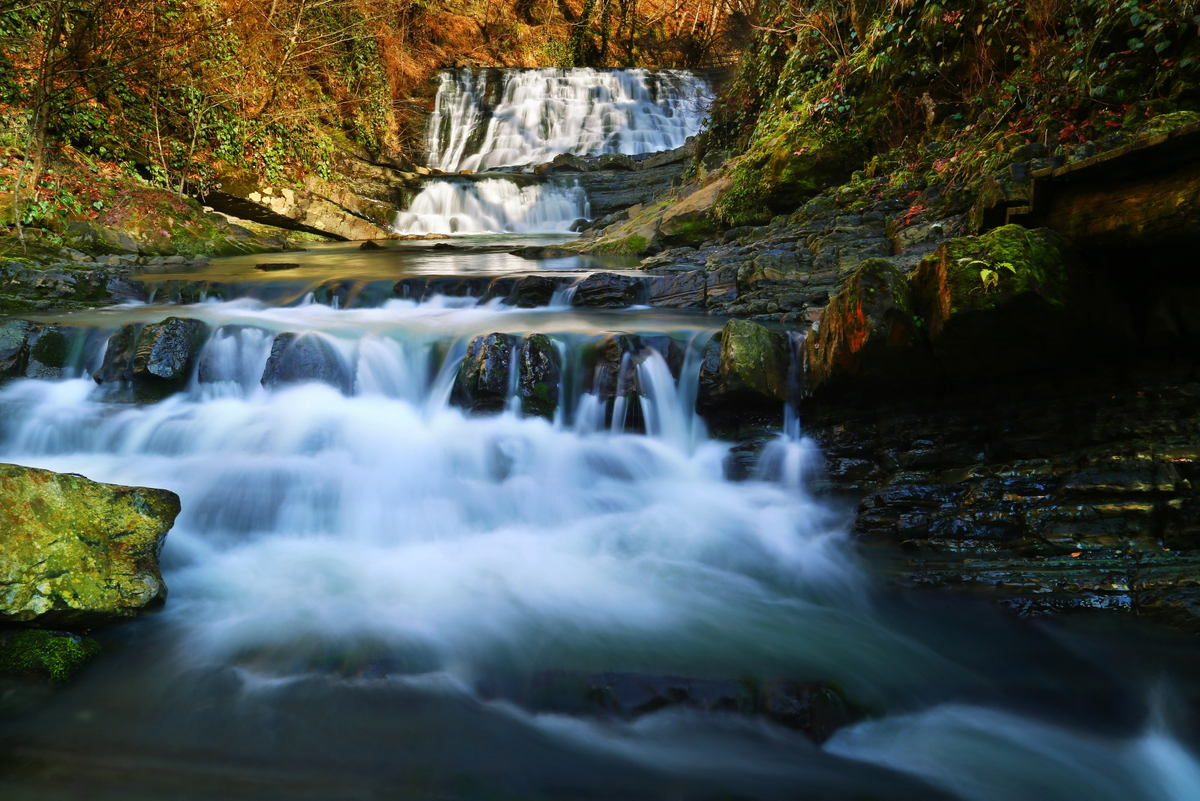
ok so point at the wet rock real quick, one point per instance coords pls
(77, 553)
(536, 290)
(538, 375)
(14, 347)
(297, 358)
(118, 356)
(482, 382)
(275, 266)
(50, 351)
(540, 253)
(607, 290)
(750, 364)
(816, 709)
(371, 244)
(454, 286)
(166, 351)
(868, 333)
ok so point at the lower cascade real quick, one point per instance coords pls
(493, 205)
(452, 518)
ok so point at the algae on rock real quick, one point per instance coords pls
(77, 553)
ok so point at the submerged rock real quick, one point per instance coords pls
(77, 553)
(297, 358)
(54, 656)
(482, 382)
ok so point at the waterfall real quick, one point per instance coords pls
(546, 112)
(492, 205)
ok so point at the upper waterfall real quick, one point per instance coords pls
(490, 118)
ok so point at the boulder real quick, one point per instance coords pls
(538, 375)
(867, 333)
(607, 290)
(482, 382)
(118, 356)
(298, 358)
(691, 220)
(680, 290)
(159, 356)
(751, 364)
(77, 553)
(536, 290)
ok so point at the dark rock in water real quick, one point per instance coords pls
(816, 709)
(547, 252)
(297, 358)
(77, 553)
(370, 244)
(124, 290)
(270, 267)
(613, 374)
(49, 352)
(443, 246)
(156, 356)
(167, 350)
(536, 290)
(118, 356)
(483, 377)
(538, 375)
(607, 290)
(14, 347)
(454, 286)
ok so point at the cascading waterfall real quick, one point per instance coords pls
(543, 113)
(493, 205)
(530, 116)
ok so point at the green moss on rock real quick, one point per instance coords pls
(52, 655)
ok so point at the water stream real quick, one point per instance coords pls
(357, 569)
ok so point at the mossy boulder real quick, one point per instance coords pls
(50, 352)
(77, 553)
(994, 300)
(751, 366)
(868, 332)
(779, 173)
(54, 656)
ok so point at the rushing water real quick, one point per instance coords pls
(493, 119)
(354, 568)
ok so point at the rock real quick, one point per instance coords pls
(691, 220)
(49, 352)
(868, 333)
(77, 553)
(752, 366)
(298, 358)
(270, 267)
(84, 235)
(14, 347)
(607, 290)
(54, 656)
(158, 356)
(539, 252)
(166, 351)
(371, 244)
(482, 382)
(685, 290)
(536, 290)
(994, 302)
(538, 375)
(816, 709)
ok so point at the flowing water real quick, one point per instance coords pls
(362, 574)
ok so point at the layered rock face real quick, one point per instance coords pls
(76, 553)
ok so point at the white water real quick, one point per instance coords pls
(547, 112)
(317, 524)
(493, 205)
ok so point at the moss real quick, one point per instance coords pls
(1166, 123)
(1022, 260)
(50, 348)
(52, 655)
(692, 232)
(629, 246)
